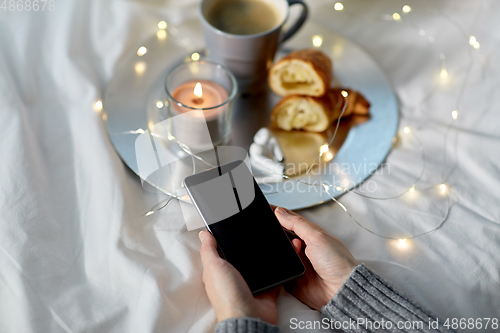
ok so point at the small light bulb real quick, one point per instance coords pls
(149, 213)
(98, 105)
(326, 188)
(396, 17)
(338, 6)
(406, 9)
(402, 240)
(142, 51)
(421, 32)
(406, 130)
(454, 114)
(161, 34)
(443, 187)
(476, 45)
(323, 149)
(412, 189)
(195, 56)
(159, 104)
(162, 25)
(344, 93)
(140, 67)
(472, 40)
(317, 40)
(328, 157)
(444, 73)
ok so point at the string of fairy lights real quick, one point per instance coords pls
(317, 41)
(472, 40)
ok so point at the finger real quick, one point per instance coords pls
(297, 244)
(296, 223)
(208, 249)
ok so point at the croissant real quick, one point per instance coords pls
(314, 114)
(302, 72)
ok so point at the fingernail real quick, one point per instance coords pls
(200, 236)
(284, 211)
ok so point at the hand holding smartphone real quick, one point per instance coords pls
(248, 234)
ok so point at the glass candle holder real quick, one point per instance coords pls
(201, 86)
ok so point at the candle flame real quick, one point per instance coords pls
(198, 92)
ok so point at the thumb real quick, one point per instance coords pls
(208, 249)
(299, 225)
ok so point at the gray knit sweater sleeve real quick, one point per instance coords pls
(367, 299)
(245, 325)
(362, 304)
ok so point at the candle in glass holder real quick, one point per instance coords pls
(209, 89)
(203, 95)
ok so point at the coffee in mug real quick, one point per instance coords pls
(244, 17)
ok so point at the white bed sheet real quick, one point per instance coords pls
(75, 253)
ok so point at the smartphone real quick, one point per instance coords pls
(248, 234)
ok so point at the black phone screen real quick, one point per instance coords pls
(251, 237)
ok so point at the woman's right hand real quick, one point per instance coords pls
(328, 262)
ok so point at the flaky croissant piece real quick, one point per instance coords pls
(302, 72)
(314, 114)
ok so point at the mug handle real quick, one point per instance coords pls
(303, 16)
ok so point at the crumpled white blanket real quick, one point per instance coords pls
(76, 255)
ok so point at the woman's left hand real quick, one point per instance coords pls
(227, 290)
